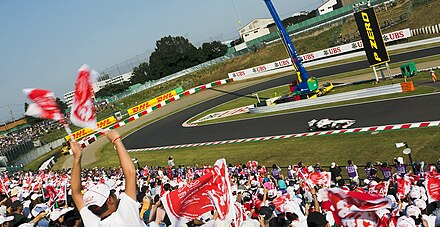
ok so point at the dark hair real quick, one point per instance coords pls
(291, 216)
(71, 217)
(167, 187)
(279, 221)
(350, 162)
(98, 211)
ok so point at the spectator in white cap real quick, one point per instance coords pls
(100, 207)
(57, 216)
(415, 213)
(405, 221)
(4, 221)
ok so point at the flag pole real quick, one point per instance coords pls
(67, 128)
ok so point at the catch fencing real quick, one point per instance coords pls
(36, 153)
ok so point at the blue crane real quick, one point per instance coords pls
(305, 83)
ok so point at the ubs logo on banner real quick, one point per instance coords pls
(371, 37)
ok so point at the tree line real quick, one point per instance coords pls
(171, 55)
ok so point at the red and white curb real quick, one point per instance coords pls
(331, 132)
(93, 137)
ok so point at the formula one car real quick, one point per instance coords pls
(327, 124)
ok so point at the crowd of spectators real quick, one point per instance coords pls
(130, 195)
(32, 132)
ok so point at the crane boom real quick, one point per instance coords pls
(305, 83)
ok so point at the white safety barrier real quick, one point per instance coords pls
(352, 95)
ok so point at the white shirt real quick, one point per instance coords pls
(127, 215)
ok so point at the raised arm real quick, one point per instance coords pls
(126, 163)
(75, 180)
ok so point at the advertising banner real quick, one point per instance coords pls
(87, 131)
(152, 102)
(371, 36)
(320, 54)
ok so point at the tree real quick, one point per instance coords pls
(213, 50)
(62, 105)
(30, 120)
(140, 74)
(172, 54)
(110, 90)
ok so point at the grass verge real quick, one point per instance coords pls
(37, 163)
(360, 147)
(422, 81)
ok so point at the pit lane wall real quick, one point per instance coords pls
(262, 70)
(352, 95)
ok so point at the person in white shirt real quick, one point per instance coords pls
(99, 206)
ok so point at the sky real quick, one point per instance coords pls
(43, 43)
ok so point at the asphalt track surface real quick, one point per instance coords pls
(169, 130)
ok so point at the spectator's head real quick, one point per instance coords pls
(100, 200)
(414, 213)
(405, 221)
(4, 221)
(167, 187)
(368, 165)
(316, 219)
(17, 207)
(332, 165)
(350, 162)
(385, 164)
(73, 218)
(57, 215)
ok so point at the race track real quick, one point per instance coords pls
(169, 131)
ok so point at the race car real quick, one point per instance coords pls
(327, 124)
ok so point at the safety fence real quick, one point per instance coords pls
(15, 151)
(24, 159)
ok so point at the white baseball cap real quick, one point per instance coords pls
(112, 184)
(4, 219)
(405, 221)
(35, 196)
(38, 209)
(412, 210)
(96, 195)
(57, 213)
(420, 204)
(415, 193)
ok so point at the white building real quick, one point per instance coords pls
(68, 97)
(255, 29)
(327, 6)
(300, 13)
